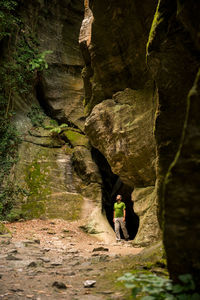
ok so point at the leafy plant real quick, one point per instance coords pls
(153, 287)
(8, 19)
(39, 62)
(57, 129)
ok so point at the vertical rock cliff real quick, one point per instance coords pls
(173, 57)
(120, 100)
(55, 172)
(141, 97)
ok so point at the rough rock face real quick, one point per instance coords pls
(55, 27)
(173, 57)
(61, 88)
(120, 99)
(117, 48)
(182, 195)
(165, 60)
(47, 175)
(60, 180)
(145, 206)
(122, 130)
(86, 27)
(56, 170)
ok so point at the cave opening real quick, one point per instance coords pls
(112, 186)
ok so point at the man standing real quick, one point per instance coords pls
(119, 218)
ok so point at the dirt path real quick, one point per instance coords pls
(40, 253)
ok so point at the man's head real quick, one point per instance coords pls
(119, 198)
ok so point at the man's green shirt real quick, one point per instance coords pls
(119, 209)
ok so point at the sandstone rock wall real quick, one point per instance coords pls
(173, 57)
(121, 97)
(56, 169)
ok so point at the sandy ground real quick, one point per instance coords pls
(42, 252)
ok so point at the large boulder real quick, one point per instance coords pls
(122, 130)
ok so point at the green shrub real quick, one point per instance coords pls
(153, 287)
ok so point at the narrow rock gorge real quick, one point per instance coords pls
(108, 105)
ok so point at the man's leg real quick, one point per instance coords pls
(117, 227)
(123, 227)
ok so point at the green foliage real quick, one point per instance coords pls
(153, 287)
(8, 196)
(36, 115)
(14, 215)
(55, 130)
(8, 19)
(20, 61)
(39, 62)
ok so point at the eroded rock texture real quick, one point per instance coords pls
(173, 57)
(145, 206)
(56, 169)
(122, 130)
(117, 49)
(55, 26)
(61, 88)
(120, 97)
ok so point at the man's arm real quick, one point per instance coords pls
(124, 219)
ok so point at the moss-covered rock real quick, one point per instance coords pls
(47, 177)
(76, 138)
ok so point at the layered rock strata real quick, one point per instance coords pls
(55, 168)
(120, 99)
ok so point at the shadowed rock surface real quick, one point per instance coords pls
(173, 57)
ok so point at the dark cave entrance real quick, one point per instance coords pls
(112, 186)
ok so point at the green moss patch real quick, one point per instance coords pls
(67, 206)
(75, 138)
(37, 178)
(156, 21)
